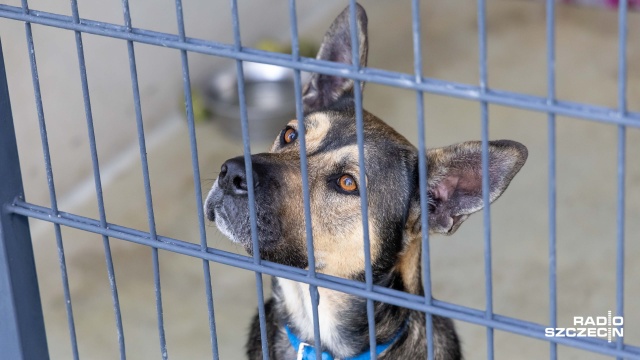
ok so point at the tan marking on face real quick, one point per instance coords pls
(408, 264)
(336, 218)
(316, 127)
(342, 256)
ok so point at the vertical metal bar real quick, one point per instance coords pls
(551, 98)
(484, 113)
(50, 183)
(248, 167)
(98, 182)
(620, 228)
(196, 180)
(147, 187)
(313, 290)
(22, 332)
(422, 170)
(622, 142)
(368, 273)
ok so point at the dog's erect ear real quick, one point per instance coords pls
(455, 180)
(322, 90)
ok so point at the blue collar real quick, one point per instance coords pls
(308, 352)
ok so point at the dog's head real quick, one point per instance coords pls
(391, 162)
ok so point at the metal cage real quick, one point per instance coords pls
(22, 333)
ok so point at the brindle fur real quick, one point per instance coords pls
(454, 188)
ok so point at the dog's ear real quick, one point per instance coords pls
(455, 181)
(322, 90)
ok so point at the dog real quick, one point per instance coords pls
(454, 192)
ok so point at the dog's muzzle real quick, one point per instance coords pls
(229, 207)
(228, 196)
(209, 210)
(233, 177)
(232, 181)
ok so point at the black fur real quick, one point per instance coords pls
(454, 192)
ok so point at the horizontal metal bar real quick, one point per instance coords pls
(357, 288)
(390, 78)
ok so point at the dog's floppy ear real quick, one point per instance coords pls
(322, 90)
(455, 181)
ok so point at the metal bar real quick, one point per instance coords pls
(22, 332)
(91, 225)
(368, 273)
(484, 114)
(50, 184)
(423, 176)
(622, 143)
(196, 181)
(551, 125)
(390, 78)
(368, 290)
(98, 182)
(149, 204)
(353, 287)
(249, 174)
(297, 82)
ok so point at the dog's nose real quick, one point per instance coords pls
(233, 176)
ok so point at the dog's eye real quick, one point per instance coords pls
(289, 135)
(347, 183)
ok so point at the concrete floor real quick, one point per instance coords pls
(586, 68)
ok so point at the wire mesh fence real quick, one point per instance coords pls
(21, 321)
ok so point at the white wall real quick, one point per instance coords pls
(159, 71)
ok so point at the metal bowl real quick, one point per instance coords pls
(269, 97)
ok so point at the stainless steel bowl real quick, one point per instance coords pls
(269, 95)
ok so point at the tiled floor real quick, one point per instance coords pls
(586, 70)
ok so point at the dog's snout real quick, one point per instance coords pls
(223, 170)
(233, 176)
